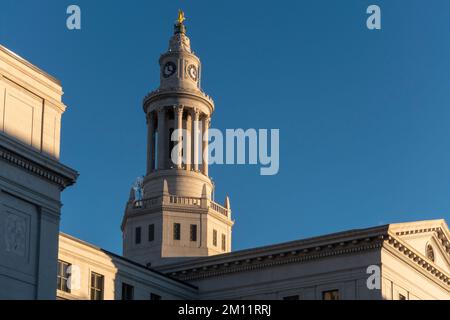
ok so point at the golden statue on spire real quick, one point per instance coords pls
(181, 16)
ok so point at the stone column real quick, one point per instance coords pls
(187, 144)
(195, 130)
(178, 125)
(150, 143)
(161, 137)
(205, 139)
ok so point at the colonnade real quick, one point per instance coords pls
(193, 154)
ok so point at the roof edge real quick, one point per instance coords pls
(30, 65)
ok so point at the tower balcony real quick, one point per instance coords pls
(178, 202)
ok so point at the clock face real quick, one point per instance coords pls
(169, 69)
(192, 71)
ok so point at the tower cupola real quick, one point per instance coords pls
(175, 206)
(180, 67)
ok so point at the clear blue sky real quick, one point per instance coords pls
(364, 116)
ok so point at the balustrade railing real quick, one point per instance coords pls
(146, 203)
(218, 208)
(185, 200)
(177, 200)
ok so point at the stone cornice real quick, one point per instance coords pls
(36, 163)
(179, 53)
(163, 173)
(317, 248)
(441, 233)
(296, 252)
(163, 208)
(416, 259)
(158, 209)
(196, 94)
(270, 260)
(49, 100)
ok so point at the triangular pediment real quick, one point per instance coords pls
(429, 238)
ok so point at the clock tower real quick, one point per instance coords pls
(175, 217)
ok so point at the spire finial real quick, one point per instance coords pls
(181, 17)
(179, 26)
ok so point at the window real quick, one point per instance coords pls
(401, 297)
(97, 286)
(127, 291)
(151, 232)
(63, 276)
(215, 238)
(330, 295)
(155, 297)
(138, 235)
(193, 235)
(296, 297)
(176, 231)
(224, 242)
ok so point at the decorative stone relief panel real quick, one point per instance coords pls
(16, 232)
(18, 223)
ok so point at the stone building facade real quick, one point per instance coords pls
(31, 178)
(97, 273)
(412, 259)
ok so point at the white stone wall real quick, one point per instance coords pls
(164, 246)
(308, 280)
(31, 179)
(30, 104)
(141, 252)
